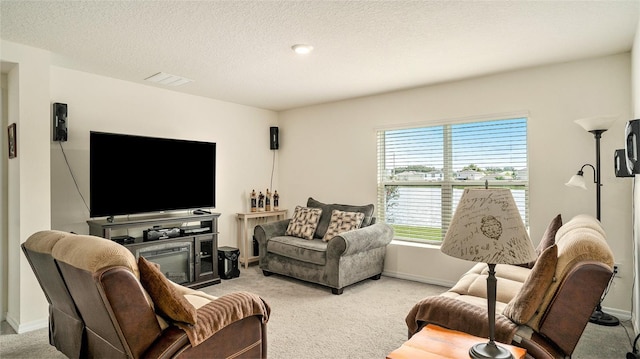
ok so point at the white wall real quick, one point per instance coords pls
(97, 103)
(636, 206)
(28, 186)
(4, 122)
(329, 152)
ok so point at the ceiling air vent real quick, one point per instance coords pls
(168, 80)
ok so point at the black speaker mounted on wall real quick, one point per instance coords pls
(632, 152)
(273, 138)
(59, 121)
(620, 164)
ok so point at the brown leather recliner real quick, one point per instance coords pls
(99, 308)
(580, 273)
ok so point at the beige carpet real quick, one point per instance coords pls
(309, 322)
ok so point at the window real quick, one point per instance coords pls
(422, 172)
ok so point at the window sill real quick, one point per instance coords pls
(400, 243)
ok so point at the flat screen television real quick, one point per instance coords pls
(136, 174)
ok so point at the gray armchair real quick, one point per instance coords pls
(345, 259)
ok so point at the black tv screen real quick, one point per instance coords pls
(137, 174)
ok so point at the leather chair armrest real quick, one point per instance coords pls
(245, 338)
(458, 315)
(167, 344)
(360, 240)
(577, 297)
(266, 231)
(136, 319)
(539, 348)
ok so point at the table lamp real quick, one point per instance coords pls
(487, 227)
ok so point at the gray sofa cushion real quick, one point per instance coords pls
(311, 251)
(327, 209)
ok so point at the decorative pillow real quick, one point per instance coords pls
(341, 222)
(525, 304)
(304, 222)
(548, 239)
(166, 298)
(327, 210)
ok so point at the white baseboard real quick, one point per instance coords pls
(420, 279)
(27, 327)
(618, 313)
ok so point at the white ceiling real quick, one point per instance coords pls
(240, 51)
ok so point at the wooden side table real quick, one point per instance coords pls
(245, 236)
(436, 342)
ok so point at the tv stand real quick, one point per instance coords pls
(189, 258)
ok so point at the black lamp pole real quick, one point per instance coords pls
(597, 134)
(598, 316)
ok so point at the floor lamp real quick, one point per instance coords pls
(595, 125)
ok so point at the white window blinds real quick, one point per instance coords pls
(422, 172)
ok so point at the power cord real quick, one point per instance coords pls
(273, 165)
(634, 353)
(72, 176)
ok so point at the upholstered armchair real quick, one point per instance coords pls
(104, 303)
(324, 254)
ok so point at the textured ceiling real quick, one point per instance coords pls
(240, 51)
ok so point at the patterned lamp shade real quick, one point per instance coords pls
(487, 227)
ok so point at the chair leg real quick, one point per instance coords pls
(377, 276)
(337, 291)
(266, 273)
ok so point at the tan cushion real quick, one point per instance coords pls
(304, 222)
(522, 307)
(165, 296)
(93, 253)
(509, 271)
(509, 281)
(580, 221)
(342, 221)
(44, 241)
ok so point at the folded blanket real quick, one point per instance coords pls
(223, 311)
(446, 312)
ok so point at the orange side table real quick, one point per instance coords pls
(437, 342)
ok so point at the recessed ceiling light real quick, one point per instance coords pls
(167, 79)
(302, 49)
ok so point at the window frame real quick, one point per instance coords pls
(447, 206)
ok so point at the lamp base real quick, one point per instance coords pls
(601, 318)
(489, 350)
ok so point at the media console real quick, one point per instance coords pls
(184, 245)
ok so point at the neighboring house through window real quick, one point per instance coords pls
(422, 171)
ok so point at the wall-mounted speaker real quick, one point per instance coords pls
(273, 138)
(620, 164)
(632, 154)
(59, 121)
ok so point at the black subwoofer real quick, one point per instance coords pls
(228, 262)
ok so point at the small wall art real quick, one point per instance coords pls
(13, 141)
